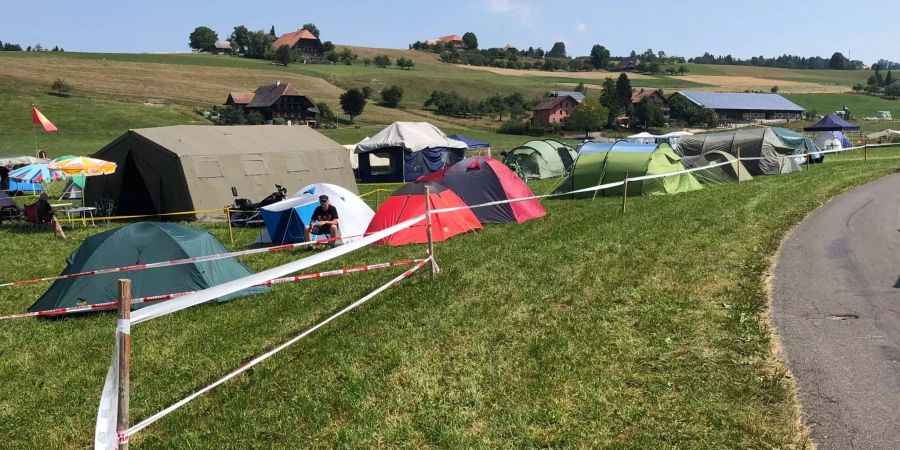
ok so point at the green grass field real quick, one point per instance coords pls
(587, 328)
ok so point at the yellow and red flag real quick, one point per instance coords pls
(39, 119)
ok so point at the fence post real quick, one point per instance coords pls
(625, 192)
(865, 150)
(737, 168)
(228, 218)
(123, 335)
(428, 229)
(808, 158)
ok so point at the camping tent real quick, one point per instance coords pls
(643, 138)
(141, 243)
(408, 202)
(8, 207)
(479, 180)
(769, 146)
(471, 142)
(286, 220)
(413, 149)
(885, 135)
(542, 159)
(831, 140)
(832, 122)
(728, 173)
(8, 159)
(74, 188)
(193, 167)
(601, 163)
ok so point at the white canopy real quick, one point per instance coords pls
(353, 212)
(677, 134)
(643, 135)
(413, 136)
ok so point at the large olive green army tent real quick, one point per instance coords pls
(193, 167)
(542, 158)
(773, 150)
(730, 171)
(602, 163)
(141, 243)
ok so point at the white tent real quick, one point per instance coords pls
(830, 140)
(676, 134)
(411, 136)
(643, 138)
(413, 149)
(286, 219)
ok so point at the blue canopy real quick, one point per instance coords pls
(832, 122)
(20, 188)
(471, 142)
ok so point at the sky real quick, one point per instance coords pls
(684, 28)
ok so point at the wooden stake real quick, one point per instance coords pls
(124, 339)
(865, 150)
(808, 158)
(625, 192)
(230, 230)
(738, 166)
(428, 230)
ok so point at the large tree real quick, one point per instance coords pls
(588, 116)
(352, 103)
(203, 39)
(609, 99)
(312, 28)
(623, 95)
(599, 56)
(470, 40)
(240, 38)
(647, 114)
(272, 31)
(382, 61)
(259, 45)
(558, 50)
(838, 62)
(283, 55)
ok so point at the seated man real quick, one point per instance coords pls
(45, 214)
(324, 221)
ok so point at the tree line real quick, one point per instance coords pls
(11, 47)
(837, 61)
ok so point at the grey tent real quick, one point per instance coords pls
(542, 158)
(411, 149)
(771, 148)
(193, 167)
(728, 173)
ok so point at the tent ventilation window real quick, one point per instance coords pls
(295, 163)
(331, 161)
(208, 168)
(254, 167)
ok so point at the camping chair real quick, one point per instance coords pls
(31, 216)
(105, 208)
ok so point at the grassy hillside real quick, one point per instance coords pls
(611, 333)
(860, 105)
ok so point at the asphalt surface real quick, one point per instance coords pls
(836, 307)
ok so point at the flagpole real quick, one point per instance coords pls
(34, 128)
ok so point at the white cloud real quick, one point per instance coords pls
(581, 28)
(523, 12)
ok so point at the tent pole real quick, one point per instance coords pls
(124, 338)
(428, 229)
(228, 218)
(625, 192)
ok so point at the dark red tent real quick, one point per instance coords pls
(479, 180)
(409, 202)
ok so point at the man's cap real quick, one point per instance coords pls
(323, 197)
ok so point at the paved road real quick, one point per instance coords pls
(836, 306)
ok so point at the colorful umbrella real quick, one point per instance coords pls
(37, 173)
(82, 165)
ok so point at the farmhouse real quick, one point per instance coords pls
(638, 95)
(302, 41)
(554, 109)
(453, 40)
(744, 107)
(578, 96)
(280, 100)
(222, 47)
(630, 65)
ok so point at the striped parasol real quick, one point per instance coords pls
(37, 173)
(82, 165)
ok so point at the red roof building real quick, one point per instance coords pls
(302, 40)
(453, 40)
(554, 109)
(280, 100)
(653, 94)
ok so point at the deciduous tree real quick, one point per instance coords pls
(203, 39)
(352, 103)
(391, 97)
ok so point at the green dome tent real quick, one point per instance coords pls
(542, 158)
(728, 173)
(141, 243)
(601, 163)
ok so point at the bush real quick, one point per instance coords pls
(60, 86)
(254, 118)
(517, 127)
(367, 92)
(390, 97)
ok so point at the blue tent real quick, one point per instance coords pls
(832, 122)
(286, 220)
(471, 142)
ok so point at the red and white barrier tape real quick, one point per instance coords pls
(161, 297)
(177, 262)
(150, 420)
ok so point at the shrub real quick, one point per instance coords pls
(390, 97)
(517, 127)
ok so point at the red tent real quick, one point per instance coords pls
(479, 180)
(409, 202)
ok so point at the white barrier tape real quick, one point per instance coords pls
(123, 326)
(695, 169)
(150, 420)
